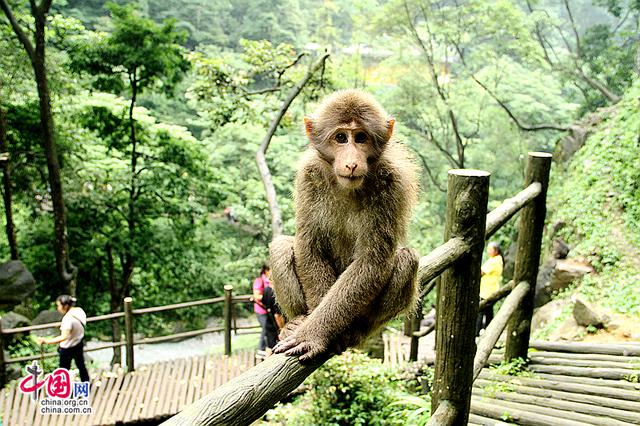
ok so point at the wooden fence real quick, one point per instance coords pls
(129, 314)
(246, 398)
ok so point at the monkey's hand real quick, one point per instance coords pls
(291, 326)
(307, 346)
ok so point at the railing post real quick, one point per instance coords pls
(415, 326)
(3, 365)
(228, 290)
(459, 294)
(528, 256)
(128, 331)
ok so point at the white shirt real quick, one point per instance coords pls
(74, 321)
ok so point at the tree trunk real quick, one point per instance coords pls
(115, 306)
(6, 185)
(65, 269)
(129, 258)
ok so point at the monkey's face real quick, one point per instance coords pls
(350, 148)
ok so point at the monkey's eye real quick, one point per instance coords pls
(361, 137)
(341, 137)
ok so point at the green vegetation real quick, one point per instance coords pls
(353, 389)
(597, 200)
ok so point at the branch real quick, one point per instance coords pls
(291, 65)
(265, 174)
(521, 126)
(574, 28)
(428, 170)
(595, 84)
(18, 30)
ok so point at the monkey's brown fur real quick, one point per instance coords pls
(344, 274)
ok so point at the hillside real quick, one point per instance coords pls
(594, 204)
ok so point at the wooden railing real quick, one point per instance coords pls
(129, 314)
(456, 264)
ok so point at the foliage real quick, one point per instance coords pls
(350, 389)
(515, 367)
(597, 203)
(137, 53)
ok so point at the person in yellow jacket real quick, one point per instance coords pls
(491, 271)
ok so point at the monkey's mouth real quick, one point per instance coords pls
(351, 178)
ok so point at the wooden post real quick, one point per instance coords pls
(3, 365)
(128, 331)
(228, 289)
(528, 256)
(408, 325)
(459, 294)
(415, 326)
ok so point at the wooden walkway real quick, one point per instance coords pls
(152, 392)
(568, 384)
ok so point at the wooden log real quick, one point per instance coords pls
(432, 265)
(611, 416)
(247, 397)
(496, 327)
(585, 356)
(3, 364)
(505, 211)
(178, 336)
(155, 309)
(525, 416)
(528, 256)
(458, 292)
(630, 408)
(228, 290)
(446, 414)
(544, 360)
(485, 421)
(601, 387)
(598, 373)
(128, 331)
(593, 348)
(425, 331)
(497, 296)
(416, 319)
(513, 407)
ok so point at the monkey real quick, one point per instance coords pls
(344, 274)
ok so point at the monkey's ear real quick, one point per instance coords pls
(390, 123)
(308, 126)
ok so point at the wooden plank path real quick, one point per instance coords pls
(152, 392)
(569, 384)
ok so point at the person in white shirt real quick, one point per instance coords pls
(71, 335)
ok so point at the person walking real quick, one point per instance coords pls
(491, 272)
(71, 338)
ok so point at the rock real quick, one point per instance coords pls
(560, 249)
(547, 313)
(557, 274)
(585, 314)
(16, 283)
(46, 317)
(13, 320)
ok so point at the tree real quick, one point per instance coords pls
(596, 48)
(66, 270)
(137, 55)
(253, 90)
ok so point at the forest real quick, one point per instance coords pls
(149, 148)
